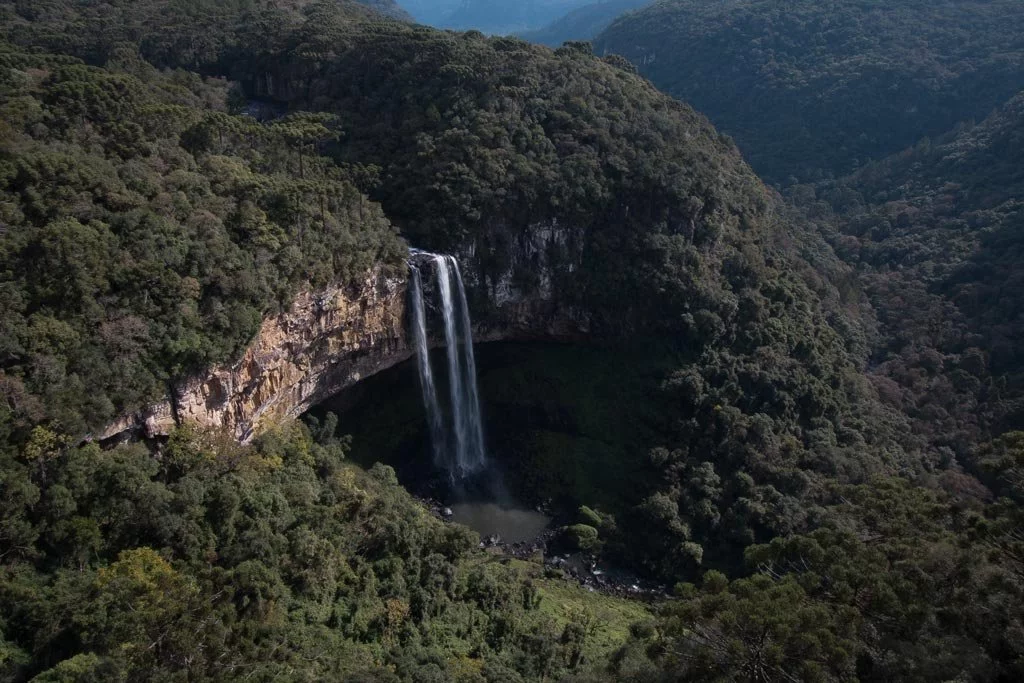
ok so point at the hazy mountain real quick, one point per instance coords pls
(491, 16)
(432, 12)
(583, 23)
(389, 8)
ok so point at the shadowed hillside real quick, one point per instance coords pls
(809, 87)
(936, 233)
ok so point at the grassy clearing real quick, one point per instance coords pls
(610, 617)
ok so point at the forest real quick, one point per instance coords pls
(811, 89)
(822, 384)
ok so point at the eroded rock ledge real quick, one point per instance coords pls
(329, 340)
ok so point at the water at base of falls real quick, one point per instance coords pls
(458, 443)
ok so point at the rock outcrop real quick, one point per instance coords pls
(326, 341)
(330, 339)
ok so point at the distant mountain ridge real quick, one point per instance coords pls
(500, 16)
(583, 23)
(389, 8)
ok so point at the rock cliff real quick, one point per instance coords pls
(326, 341)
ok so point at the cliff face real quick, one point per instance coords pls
(328, 340)
(523, 282)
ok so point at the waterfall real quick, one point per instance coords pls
(463, 453)
(474, 428)
(430, 403)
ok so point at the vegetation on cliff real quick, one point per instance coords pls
(273, 562)
(810, 88)
(147, 232)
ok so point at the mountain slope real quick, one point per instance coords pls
(141, 217)
(472, 145)
(430, 12)
(582, 24)
(808, 86)
(150, 231)
(937, 234)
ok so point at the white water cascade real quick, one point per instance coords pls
(463, 453)
(430, 402)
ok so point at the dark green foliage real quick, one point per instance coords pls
(756, 629)
(935, 234)
(147, 232)
(482, 137)
(897, 583)
(812, 87)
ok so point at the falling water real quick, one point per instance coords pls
(433, 408)
(474, 428)
(464, 453)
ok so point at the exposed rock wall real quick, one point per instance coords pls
(326, 341)
(331, 339)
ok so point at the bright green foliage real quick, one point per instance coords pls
(816, 87)
(220, 562)
(581, 537)
(589, 517)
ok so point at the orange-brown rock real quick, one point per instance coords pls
(326, 341)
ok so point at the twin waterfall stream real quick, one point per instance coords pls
(458, 442)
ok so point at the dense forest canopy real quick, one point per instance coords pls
(810, 88)
(147, 231)
(935, 233)
(806, 526)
